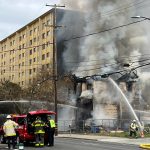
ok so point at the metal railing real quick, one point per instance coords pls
(96, 126)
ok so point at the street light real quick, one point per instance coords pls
(138, 17)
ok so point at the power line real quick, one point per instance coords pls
(97, 68)
(108, 64)
(102, 31)
(117, 10)
(115, 58)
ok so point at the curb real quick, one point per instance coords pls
(77, 138)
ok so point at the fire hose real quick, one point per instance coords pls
(145, 146)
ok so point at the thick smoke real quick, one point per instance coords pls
(114, 46)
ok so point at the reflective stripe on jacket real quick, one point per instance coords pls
(9, 128)
(52, 123)
(133, 127)
(39, 126)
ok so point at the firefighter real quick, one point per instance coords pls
(9, 130)
(39, 132)
(133, 128)
(51, 131)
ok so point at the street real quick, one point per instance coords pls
(81, 144)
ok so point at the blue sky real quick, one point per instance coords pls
(15, 14)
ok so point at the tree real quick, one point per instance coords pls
(41, 87)
(10, 91)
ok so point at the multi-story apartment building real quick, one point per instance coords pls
(26, 51)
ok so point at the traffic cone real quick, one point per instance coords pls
(142, 134)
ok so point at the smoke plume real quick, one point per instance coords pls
(108, 51)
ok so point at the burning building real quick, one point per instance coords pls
(106, 47)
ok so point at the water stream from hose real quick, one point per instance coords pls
(127, 103)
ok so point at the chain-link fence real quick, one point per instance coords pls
(96, 126)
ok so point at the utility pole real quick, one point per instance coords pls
(55, 60)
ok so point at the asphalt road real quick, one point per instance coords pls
(80, 144)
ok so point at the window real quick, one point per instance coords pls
(20, 56)
(43, 36)
(34, 69)
(48, 65)
(35, 29)
(30, 32)
(12, 77)
(20, 38)
(30, 71)
(48, 43)
(34, 39)
(30, 61)
(30, 51)
(48, 33)
(48, 22)
(43, 46)
(22, 82)
(43, 25)
(22, 63)
(13, 42)
(43, 56)
(47, 55)
(19, 75)
(34, 49)
(34, 59)
(23, 36)
(30, 42)
(10, 43)
(43, 67)
(19, 47)
(23, 45)
(22, 73)
(29, 80)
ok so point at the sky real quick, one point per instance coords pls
(15, 14)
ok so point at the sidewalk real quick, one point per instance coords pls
(107, 139)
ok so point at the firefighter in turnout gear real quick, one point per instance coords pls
(133, 128)
(50, 131)
(39, 132)
(9, 130)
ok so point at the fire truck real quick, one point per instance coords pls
(25, 131)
